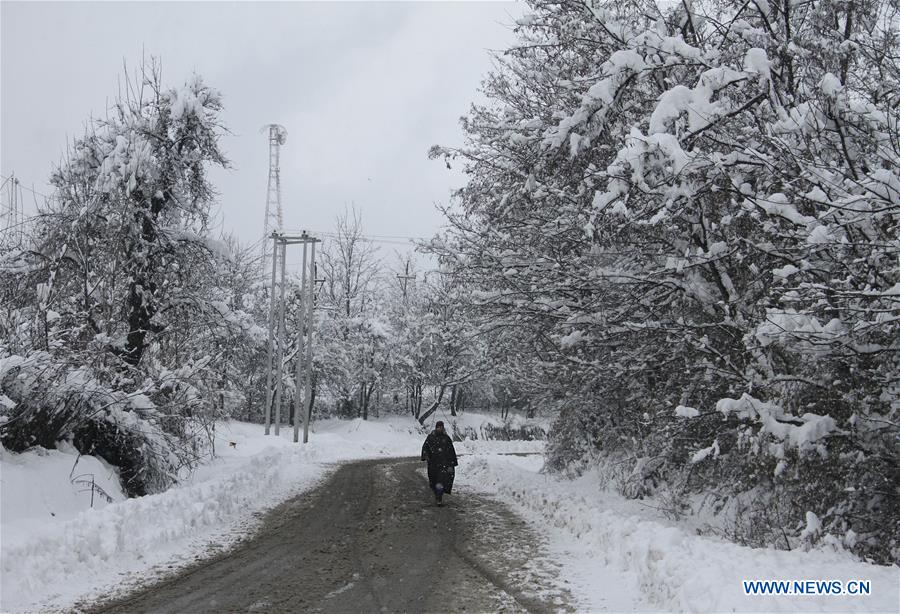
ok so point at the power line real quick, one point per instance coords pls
(370, 238)
(389, 239)
(32, 190)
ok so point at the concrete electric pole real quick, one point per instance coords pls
(303, 370)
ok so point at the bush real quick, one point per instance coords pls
(44, 402)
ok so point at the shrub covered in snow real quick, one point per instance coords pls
(47, 403)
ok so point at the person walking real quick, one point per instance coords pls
(438, 450)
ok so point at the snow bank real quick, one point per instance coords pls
(671, 567)
(53, 485)
(53, 558)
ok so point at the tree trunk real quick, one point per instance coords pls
(141, 290)
(223, 381)
(434, 405)
(364, 400)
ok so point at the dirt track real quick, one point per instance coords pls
(369, 540)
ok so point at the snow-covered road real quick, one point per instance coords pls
(371, 539)
(586, 547)
(55, 549)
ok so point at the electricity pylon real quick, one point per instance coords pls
(274, 217)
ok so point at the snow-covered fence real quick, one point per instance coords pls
(509, 432)
(487, 430)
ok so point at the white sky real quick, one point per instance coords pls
(363, 88)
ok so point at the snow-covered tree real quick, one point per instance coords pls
(353, 326)
(120, 330)
(690, 216)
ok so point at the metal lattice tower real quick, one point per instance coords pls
(12, 214)
(274, 218)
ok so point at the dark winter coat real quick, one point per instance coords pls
(438, 450)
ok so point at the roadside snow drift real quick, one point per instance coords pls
(669, 568)
(57, 550)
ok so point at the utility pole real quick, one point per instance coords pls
(15, 208)
(10, 218)
(275, 244)
(404, 279)
(299, 369)
(279, 382)
(307, 393)
(274, 389)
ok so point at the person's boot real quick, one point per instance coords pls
(439, 494)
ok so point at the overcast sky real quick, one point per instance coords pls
(364, 89)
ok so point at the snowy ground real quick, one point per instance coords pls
(615, 555)
(55, 549)
(618, 557)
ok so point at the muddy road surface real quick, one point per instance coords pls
(369, 539)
